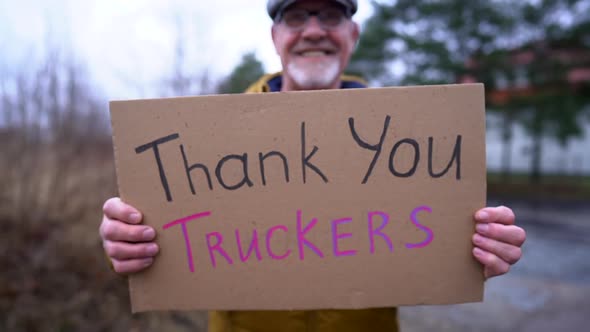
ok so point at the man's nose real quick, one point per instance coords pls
(313, 29)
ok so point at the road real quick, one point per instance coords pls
(548, 290)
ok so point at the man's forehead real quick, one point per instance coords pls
(274, 7)
(314, 4)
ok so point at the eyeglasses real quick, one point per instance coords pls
(298, 18)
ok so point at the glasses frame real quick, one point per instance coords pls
(347, 14)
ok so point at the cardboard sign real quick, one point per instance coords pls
(306, 200)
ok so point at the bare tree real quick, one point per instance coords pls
(181, 81)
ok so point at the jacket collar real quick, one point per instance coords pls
(274, 83)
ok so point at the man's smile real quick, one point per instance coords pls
(313, 53)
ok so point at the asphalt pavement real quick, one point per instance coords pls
(548, 290)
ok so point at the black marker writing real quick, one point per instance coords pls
(365, 145)
(154, 146)
(305, 158)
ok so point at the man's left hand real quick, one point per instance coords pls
(497, 240)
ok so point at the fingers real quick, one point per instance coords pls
(506, 252)
(125, 241)
(115, 230)
(510, 234)
(497, 241)
(125, 251)
(115, 208)
(500, 214)
(132, 265)
(493, 265)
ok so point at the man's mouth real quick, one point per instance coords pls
(315, 53)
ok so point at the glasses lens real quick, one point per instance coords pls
(295, 18)
(331, 17)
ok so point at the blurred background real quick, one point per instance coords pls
(61, 61)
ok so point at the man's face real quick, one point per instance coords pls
(314, 55)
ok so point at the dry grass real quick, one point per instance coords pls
(56, 170)
(55, 276)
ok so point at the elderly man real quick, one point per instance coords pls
(314, 40)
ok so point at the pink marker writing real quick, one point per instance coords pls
(253, 246)
(301, 240)
(269, 234)
(337, 236)
(187, 241)
(428, 231)
(372, 231)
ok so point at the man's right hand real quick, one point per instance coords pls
(129, 245)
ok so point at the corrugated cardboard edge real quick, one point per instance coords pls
(485, 165)
(121, 194)
(480, 89)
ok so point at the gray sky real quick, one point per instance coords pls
(128, 44)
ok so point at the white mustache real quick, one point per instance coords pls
(306, 47)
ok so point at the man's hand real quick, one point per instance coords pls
(497, 240)
(129, 245)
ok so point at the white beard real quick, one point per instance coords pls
(314, 76)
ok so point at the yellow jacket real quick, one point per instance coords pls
(373, 320)
(273, 82)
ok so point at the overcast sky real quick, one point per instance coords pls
(128, 44)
